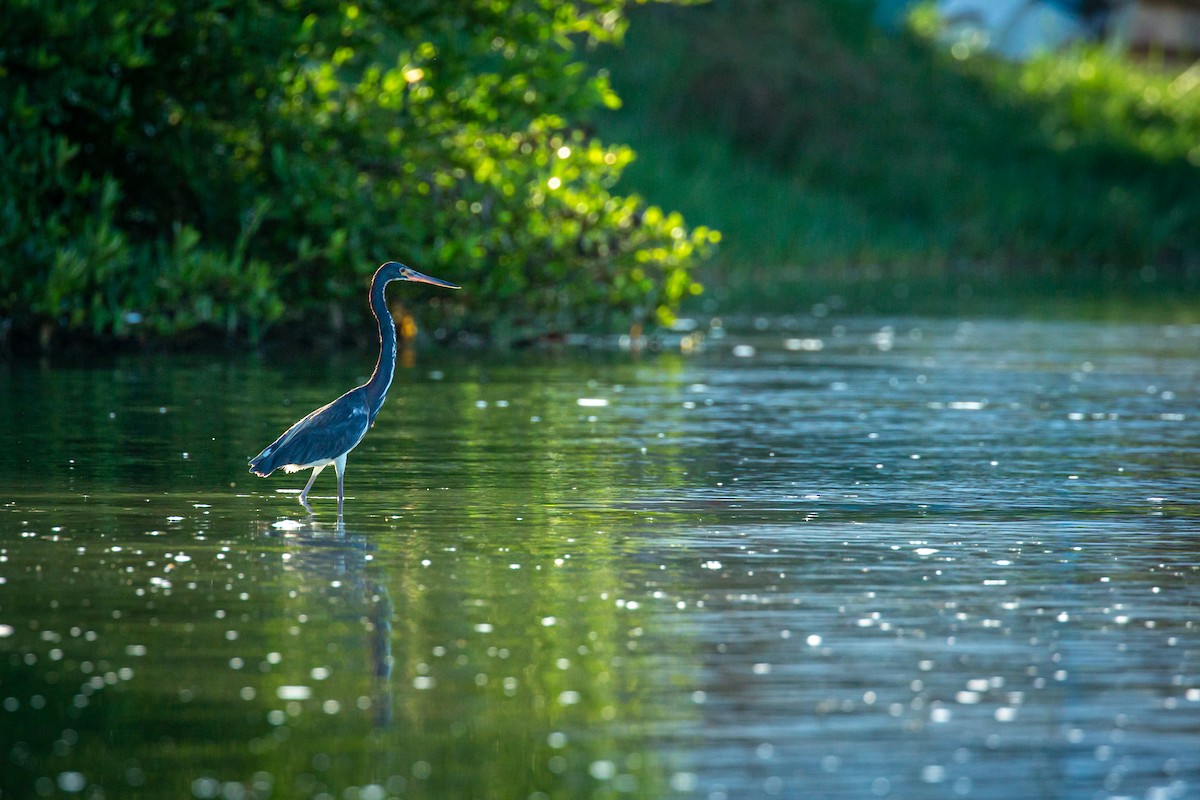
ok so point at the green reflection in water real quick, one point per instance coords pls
(326, 660)
(183, 628)
(830, 558)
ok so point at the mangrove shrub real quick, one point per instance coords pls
(170, 166)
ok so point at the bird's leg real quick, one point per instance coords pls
(304, 495)
(339, 466)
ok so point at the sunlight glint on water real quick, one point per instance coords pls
(855, 559)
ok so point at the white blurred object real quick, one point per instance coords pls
(1014, 29)
(1172, 28)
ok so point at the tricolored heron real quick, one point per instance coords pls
(328, 434)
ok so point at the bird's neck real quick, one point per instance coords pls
(381, 379)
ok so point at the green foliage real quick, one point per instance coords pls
(170, 166)
(852, 152)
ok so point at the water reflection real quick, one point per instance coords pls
(986, 666)
(335, 566)
(825, 559)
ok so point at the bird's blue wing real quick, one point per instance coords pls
(322, 436)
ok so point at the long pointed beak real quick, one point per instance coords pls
(413, 275)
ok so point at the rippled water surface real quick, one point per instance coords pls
(851, 559)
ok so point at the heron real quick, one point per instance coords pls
(327, 435)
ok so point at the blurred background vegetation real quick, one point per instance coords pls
(900, 172)
(171, 171)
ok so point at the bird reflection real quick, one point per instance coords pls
(340, 560)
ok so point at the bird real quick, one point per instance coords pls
(328, 434)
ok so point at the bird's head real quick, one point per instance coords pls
(395, 271)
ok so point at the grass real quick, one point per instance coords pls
(836, 158)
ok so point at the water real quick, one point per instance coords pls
(828, 559)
